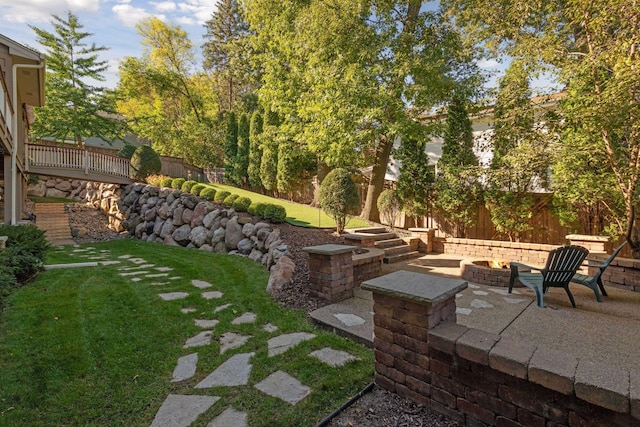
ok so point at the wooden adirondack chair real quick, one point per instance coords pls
(561, 266)
(594, 282)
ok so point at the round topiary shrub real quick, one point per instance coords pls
(196, 189)
(208, 193)
(339, 196)
(144, 162)
(177, 183)
(275, 213)
(126, 152)
(252, 208)
(228, 201)
(241, 204)
(186, 186)
(259, 209)
(389, 206)
(166, 182)
(221, 195)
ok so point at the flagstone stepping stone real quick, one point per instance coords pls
(231, 340)
(156, 275)
(186, 368)
(212, 295)
(175, 277)
(201, 284)
(206, 323)
(164, 268)
(282, 343)
(270, 328)
(230, 418)
(481, 293)
(187, 310)
(478, 303)
(245, 318)
(136, 279)
(515, 300)
(158, 283)
(181, 411)
(222, 307)
(472, 286)
(459, 295)
(137, 260)
(284, 386)
(463, 311)
(130, 268)
(146, 265)
(110, 262)
(234, 372)
(331, 357)
(171, 296)
(198, 340)
(125, 256)
(80, 250)
(133, 273)
(349, 319)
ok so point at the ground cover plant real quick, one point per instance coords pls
(297, 214)
(97, 346)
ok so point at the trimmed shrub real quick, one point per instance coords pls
(389, 206)
(196, 189)
(127, 151)
(221, 195)
(144, 162)
(228, 201)
(241, 204)
(275, 213)
(156, 180)
(259, 209)
(186, 186)
(208, 193)
(339, 196)
(252, 208)
(166, 182)
(177, 183)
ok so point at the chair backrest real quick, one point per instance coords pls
(615, 253)
(562, 264)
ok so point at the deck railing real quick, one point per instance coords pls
(77, 159)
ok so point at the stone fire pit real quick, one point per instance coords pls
(486, 272)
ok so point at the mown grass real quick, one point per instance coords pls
(87, 346)
(297, 214)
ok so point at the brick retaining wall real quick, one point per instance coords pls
(480, 378)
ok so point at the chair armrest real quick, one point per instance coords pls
(518, 265)
(602, 261)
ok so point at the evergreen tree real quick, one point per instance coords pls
(242, 157)
(269, 144)
(230, 148)
(255, 151)
(225, 51)
(415, 183)
(457, 187)
(74, 108)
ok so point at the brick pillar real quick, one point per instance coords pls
(406, 305)
(426, 236)
(331, 271)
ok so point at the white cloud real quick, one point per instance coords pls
(130, 15)
(33, 11)
(185, 20)
(488, 63)
(164, 6)
(201, 10)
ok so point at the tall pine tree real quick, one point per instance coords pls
(225, 51)
(75, 108)
(242, 156)
(231, 148)
(255, 151)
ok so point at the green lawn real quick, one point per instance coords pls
(88, 346)
(297, 214)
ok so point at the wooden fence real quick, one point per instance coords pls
(176, 168)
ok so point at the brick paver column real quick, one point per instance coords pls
(406, 305)
(331, 271)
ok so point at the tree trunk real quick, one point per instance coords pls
(376, 183)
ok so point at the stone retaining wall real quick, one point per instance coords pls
(480, 378)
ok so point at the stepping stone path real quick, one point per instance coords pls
(245, 318)
(202, 338)
(229, 418)
(349, 319)
(282, 343)
(270, 328)
(222, 307)
(171, 296)
(331, 357)
(234, 372)
(181, 411)
(231, 340)
(186, 368)
(201, 284)
(284, 386)
(212, 295)
(206, 323)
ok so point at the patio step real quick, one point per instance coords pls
(401, 257)
(54, 221)
(389, 243)
(366, 230)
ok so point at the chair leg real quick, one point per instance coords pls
(595, 291)
(601, 286)
(573, 301)
(539, 297)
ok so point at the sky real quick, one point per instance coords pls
(112, 23)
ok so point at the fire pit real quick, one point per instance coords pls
(486, 272)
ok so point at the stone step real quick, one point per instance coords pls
(401, 257)
(397, 250)
(388, 243)
(366, 230)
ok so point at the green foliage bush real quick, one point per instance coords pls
(339, 196)
(22, 258)
(208, 193)
(221, 195)
(144, 162)
(275, 213)
(228, 201)
(187, 185)
(252, 208)
(196, 189)
(177, 183)
(166, 182)
(127, 151)
(389, 205)
(241, 204)
(259, 209)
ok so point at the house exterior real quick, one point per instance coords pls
(22, 77)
